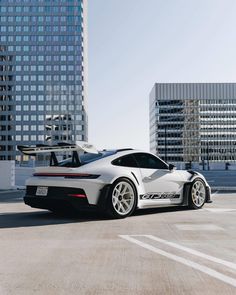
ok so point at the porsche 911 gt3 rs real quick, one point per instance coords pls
(114, 181)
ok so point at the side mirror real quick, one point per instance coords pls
(172, 167)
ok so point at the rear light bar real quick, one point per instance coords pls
(77, 195)
(68, 175)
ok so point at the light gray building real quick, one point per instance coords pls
(193, 122)
(42, 73)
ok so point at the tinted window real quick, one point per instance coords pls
(125, 161)
(149, 161)
(86, 158)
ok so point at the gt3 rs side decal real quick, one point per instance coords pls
(158, 196)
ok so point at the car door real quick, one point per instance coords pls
(160, 184)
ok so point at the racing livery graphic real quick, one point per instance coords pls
(114, 181)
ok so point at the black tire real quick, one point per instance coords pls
(197, 194)
(112, 209)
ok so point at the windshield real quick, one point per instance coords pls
(86, 158)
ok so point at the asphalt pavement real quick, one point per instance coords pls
(158, 251)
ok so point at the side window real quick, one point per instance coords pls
(125, 161)
(149, 161)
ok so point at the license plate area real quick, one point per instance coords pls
(42, 191)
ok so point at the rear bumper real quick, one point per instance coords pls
(58, 198)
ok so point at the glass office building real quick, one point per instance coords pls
(42, 73)
(193, 122)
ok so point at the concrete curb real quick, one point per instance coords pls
(224, 189)
(8, 191)
(14, 190)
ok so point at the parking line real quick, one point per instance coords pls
(211, 272)
(194, 252)
(220, 210)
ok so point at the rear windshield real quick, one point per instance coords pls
(86, 158)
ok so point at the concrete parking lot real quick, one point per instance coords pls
(158, 251)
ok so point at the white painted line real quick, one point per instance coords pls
(219, 210)
(211, 272)
(194, 252)
(199, 227)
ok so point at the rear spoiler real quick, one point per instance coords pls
(60, 147)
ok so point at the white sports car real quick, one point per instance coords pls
(115, 181)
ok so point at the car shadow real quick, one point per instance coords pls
(42, 218)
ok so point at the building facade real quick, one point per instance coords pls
(193, 122)
(43, 73)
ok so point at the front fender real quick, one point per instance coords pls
(187, 186)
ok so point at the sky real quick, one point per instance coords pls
(133, 44)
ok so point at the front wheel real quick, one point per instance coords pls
(122, 199)
(197, 196)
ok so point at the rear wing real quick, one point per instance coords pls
(60, 147)
(79, 146)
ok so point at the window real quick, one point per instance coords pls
(86, 158)
(149, 161)
(126, 161)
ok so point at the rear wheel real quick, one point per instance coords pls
(197, 196)
(122, 199)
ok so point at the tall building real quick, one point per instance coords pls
(193, 122)
(42, 73)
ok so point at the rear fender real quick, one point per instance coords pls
(104, 192)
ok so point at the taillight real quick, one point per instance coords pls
(68, 175)
(77, 195)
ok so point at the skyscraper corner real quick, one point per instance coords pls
(43, 73)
